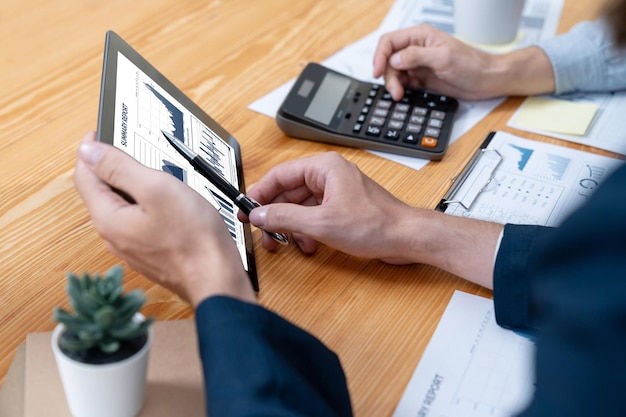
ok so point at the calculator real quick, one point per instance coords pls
(327, 106)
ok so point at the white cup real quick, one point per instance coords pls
(487, 21)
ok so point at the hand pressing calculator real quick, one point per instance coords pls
(327, 106)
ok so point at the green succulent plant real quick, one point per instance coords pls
(103, 314)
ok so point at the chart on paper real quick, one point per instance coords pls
(488, 383)
(471, 367)
(535, 183)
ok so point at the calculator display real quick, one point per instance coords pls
(327, 98)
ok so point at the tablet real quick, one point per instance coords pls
(137, 102)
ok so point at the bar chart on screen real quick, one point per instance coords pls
(471, 367)
(157, 113)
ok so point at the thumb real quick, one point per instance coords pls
(286, 218)
(412, 57)
(113, 167)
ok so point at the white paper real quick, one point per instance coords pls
(471, 366)
(535, 183)
(607, 128)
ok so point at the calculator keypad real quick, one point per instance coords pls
(419, 120)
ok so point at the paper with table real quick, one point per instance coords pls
(471, 366)
(539, 21)
(517, 180)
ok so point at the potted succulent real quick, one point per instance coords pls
(101, 348)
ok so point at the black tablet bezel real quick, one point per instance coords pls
(106, 117)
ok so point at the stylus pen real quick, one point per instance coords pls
(245, 204)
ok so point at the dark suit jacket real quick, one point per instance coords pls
(566, 284)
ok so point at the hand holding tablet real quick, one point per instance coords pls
(138, 104)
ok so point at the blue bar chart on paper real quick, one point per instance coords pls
(536, 183)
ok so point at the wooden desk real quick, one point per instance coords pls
(224, 55)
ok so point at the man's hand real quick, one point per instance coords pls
(425, 57)
(168, 233)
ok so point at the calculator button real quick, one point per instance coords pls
(377, 121)
(413, 128)
(404, 108)
(373, 130)
(392, 134)
(417, 119)
(429, 142)
(372, 93)
(436, 114)
(387, 96)
(361, 118)
(436, 123)
(420, 111)
(381, 112)
(432, 132)
(398, 116)
(384, 104)
(432, 104)
(396, 124)
(410, 138)
(365, 110)
(357, 128)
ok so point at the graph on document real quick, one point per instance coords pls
(489, 384)
(545, 166)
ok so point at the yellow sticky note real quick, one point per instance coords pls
(559, 116)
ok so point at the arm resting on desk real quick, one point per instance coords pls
(573, 291)
(586, 59)
(256, 363)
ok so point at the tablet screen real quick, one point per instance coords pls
(140, 103)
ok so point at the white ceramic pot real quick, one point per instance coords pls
(103, 390)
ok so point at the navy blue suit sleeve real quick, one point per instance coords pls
(256, 363)
(511, 284)
(578, 300)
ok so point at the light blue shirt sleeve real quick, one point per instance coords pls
(586, 59)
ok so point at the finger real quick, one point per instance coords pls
(117, 169)
(291, 181)
(96, 194)
(290, 218)
(305, 243)
(393, 83)
(301, 195)
(414, 57)
(387, 45)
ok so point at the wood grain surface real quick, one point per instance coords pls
(223, 55)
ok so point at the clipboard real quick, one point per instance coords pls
(475, 177)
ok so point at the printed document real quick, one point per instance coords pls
(472, 367)
(523, 181)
